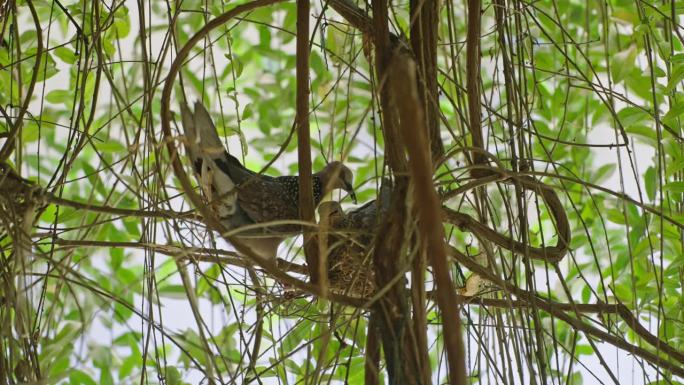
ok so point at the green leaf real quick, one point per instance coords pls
(615, 216)
(584, 350)
(122, 24)
(123, 312)
(647, 133)
(77, 377)
(674, 187)
(28, 39)
(58, 368)
(673, 114)
(106, 377)
(47, 68)
(30, 132)
(672, 169)
(604, 172)
(296, 336)
(131, 362)
(235, 66)
(208, 278)
(126, 276)
(247, 112)
(623, 63)
(110, 146)
(264, 37)
(173, 376)
(108, 48)
(172, 291)
(632, 115)
(676, 78)
(59, 97)
(576, 378)
(65, 54)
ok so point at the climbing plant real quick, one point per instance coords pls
(533, 149)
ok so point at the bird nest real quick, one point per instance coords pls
(350, 268)
(16, 195)
(350, 276)
(350, 241)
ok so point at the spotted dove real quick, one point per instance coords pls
(242, 197)
(351, 237)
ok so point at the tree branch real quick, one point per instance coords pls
(424, 16)
(591, 331)
(354, 15)
(427, 207)
(473, 80)
(551, 254)
(306, 205)
(424, 22)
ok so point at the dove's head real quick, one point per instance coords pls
(331, 213)
(330, 209)
(337, 175)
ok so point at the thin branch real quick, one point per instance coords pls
(551, 254)
(195, 254)
(591, 331)
(15, 128)
(142, 213)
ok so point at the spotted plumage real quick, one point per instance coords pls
(242, 197)
(349, 245)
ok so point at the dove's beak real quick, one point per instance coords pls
(350, 189)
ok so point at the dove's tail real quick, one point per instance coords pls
(200, 130)
(206, 151)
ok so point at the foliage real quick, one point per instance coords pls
(588, 98)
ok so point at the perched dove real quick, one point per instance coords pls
(241, 197)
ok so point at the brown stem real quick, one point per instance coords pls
(551, 254)
(372, 363)
(306, 206)
(424, 22)
(419, 304)
(354, 15)
(392, 310)
(473, 79)
(14, 129)
(428, 208)
(591, 331)
(383, 52)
